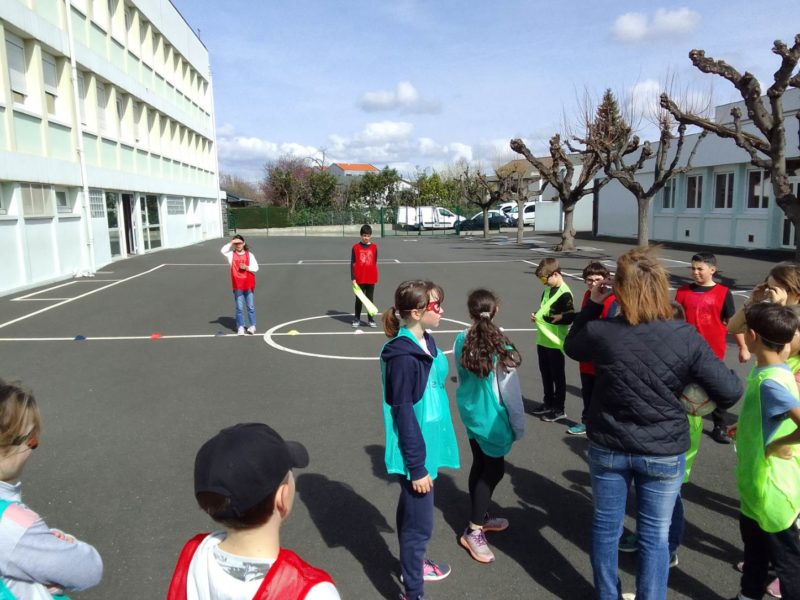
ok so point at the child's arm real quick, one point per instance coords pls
(783, 447)
(43, 557)
(253, 266)
(227, 252)
(744, 353)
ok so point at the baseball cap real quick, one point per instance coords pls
(245, 463)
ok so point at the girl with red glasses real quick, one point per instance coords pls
(38, 561)
(419, 431)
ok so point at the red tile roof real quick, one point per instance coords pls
(355, 167)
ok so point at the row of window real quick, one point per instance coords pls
(37, 200)
(757, 196)
(104, 108)
(129, 27)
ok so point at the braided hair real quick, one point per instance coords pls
(484, 341)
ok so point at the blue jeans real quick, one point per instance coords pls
(243, 297)
(658, 482)
(414, 530)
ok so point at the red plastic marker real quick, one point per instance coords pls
(155, 336)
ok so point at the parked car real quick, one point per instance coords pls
(506, 207)
(496, 220)
(528, 213)
(426, 217)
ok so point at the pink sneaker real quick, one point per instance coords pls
(774, 588)
(474, 541)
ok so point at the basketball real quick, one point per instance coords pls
(695, 401)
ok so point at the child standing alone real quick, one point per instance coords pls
(552, 324)
(708, 306)
(490, 406)
(419, 431)
(768, 457)
(364, 271)
(243, 268)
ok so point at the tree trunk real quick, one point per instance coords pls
(643, 233)
(568, 233)
(520, 221)
(486, 222)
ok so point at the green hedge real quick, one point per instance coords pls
(258, 217)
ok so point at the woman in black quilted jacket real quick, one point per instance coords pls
(637, 427)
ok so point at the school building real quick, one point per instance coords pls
(722, 201)
(107, 143)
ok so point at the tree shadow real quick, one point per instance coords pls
(725, 505)
(334, 507)
(226, 322)
(338, 315)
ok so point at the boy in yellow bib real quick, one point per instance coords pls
(556, 312)
(768, 469)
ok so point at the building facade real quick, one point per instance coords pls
(722, 201)
(107, 143)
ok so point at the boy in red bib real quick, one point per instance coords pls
(364, 271)
(243, 480)
(708, 306)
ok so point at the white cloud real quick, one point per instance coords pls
(385, 131)
(635, 26)
(404, 98)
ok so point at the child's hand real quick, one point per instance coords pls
(777, 295)
(555, 318)
(783, 451)
(422, 486)
(760, 293)
(732, 431)
(744, 354)
(64, 537)
(533, 317)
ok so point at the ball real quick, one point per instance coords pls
(695, 401)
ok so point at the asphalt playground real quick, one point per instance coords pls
(135, 368)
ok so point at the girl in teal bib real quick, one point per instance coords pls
(488, 400)
(419, 431)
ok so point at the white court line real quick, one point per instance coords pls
(55, 287)
(397, 261)
(39, 299)
(89, 293)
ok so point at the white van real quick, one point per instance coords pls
(426, 217)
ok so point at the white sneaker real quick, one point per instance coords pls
(356, 324)
(240, 331)
(251, 330)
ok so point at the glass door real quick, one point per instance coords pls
(112, 214)
(151, 227)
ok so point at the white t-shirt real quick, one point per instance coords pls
(218, 575)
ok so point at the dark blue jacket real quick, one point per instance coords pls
(406, 376)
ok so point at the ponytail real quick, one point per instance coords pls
(484, 342)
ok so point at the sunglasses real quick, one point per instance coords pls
(29, 439)
(435, 306)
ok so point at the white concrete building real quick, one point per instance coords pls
(722, 201)
(107, 143)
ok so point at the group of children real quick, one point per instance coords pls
(243, 475)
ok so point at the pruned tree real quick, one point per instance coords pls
(518, 170)
(623, 157)
(558, 170)
(766, 142)
(479, 191)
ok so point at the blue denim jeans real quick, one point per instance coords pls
(658, 481)
(243, 297)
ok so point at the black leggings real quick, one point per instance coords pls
(485, 474)
(369, 290)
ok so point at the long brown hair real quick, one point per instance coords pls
(409, 295)
(641, 286)
(17, 409)
(788, 275)
(484, 340)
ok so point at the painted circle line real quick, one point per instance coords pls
(269, 339)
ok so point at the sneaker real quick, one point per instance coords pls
(673, 560)
(474, 540)
(432, 571)
(720, 436)
(240, 331)
(628, 596)
(578, 429)
(494, 524)
(372, 324)
(554, 415)
(542, 410)
(774, 589)
(251, 330)
(356, 324)
(629, 543)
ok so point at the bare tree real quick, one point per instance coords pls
(558, 170)
(517, 170)
(479, 191)
(623, 158)
(767, 145)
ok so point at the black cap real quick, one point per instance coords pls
(245, 463)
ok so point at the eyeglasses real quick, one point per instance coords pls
(593, 280)
(29, 439)
(435, 306)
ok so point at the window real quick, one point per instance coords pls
(101, 106)
(668, 195)
(36, 200)
(82, 96)
(15, 49)
(120, 107)
(176, 206)
(50, 76)
(723, 190)
(757, 182)
(97, 206)
(63, 204)
(694, 191)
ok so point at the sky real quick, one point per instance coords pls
(418, 85)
